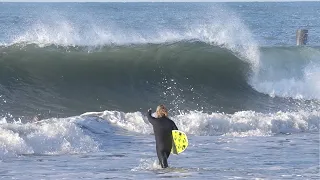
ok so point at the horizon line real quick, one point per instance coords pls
(152, 1)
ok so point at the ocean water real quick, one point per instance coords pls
(230, 74)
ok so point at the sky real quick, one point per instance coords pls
(151, 0)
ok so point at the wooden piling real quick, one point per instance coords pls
(302, 37)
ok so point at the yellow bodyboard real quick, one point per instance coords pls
(180, 142)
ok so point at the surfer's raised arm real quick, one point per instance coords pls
(150, 118)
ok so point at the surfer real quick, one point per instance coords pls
(162, 127)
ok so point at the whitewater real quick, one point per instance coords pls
(229, 73)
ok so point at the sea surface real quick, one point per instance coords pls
(230, 74)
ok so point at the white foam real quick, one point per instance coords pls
(135, 122)
(11, 144)
(299, 79)
(250, 123)
(147, 164)
(52, 136)
(64, 136)
(241, 124)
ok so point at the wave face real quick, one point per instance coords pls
(122, 76)
(70, 60)
(187, 75)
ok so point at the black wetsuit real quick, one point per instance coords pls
(162, 128)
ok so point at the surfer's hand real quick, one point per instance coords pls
(149, 110)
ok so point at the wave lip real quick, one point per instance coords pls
(219, 27)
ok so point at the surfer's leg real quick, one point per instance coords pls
(159, 157)
(168, 154)
(163, 159)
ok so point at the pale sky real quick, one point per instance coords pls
(153, 0)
